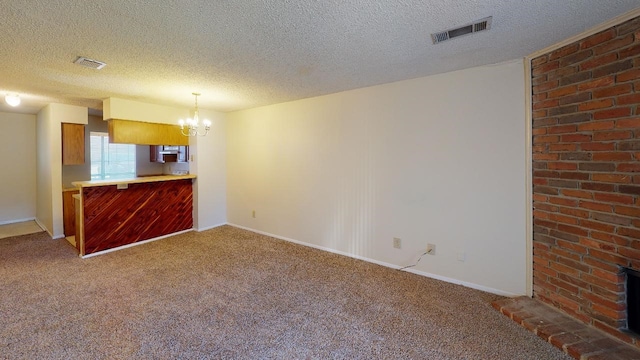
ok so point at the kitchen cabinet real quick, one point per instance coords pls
(168, 153)
(69, 212)
(72, 144)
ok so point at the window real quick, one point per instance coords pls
(111, 161)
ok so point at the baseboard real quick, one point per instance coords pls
(17, 221)
(134, 244)
(209, 227)
(44, 228)
(382, 263)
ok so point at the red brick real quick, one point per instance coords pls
(598, 38)
(612, 135)
(615, 178)
(614, 44)
(612, 113)
(610, 238)
(612, 156)
(563, 147)
(598, 61)
(540, 131)
(598, 146)
(596, 104)
(628, 167)
(592, 244)
(574, 175)
(563, 219)
(630, 51)
(600, 264)
(597, 186)
(628, 99)
(561, 129)
(596, 83)
(577, 193)
(628, 123)
(612, 91)
(572, 230)
(539, 61)
(614, 198)
(574, 212)
(630, 253)
(546, 68)
(539, 114)
(546, 86)
(541, 157)
(564, 91)
(562, 201)
(562, 52)
(629, 232)
(629, 211)
(601, 282)
(628, 75)
(596, 206)
(545, 104)
(545, 139)
(575, 138)
(597, 225)
(566, 254)
(562, 166)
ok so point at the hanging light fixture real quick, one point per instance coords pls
(191, 127)
(12, 100)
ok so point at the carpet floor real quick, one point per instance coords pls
(228, 293)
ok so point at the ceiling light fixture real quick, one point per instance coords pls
(12, 100)
(192, 126)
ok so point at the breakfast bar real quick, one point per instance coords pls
(111, 214)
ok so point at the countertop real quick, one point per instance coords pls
(142, 179)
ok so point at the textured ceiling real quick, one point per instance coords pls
(246, 53)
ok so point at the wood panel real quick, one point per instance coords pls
(72, 144)
(144, 133)
(114, 217)
(69, 212)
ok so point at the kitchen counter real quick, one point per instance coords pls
(112, 214)
(136, 180)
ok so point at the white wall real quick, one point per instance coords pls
(18, 180)
(49, 163)
(209, 164)
(432, 160)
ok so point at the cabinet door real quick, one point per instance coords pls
(69, 212)
(72, 144)
(154, 155)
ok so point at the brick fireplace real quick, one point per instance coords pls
(586, 176)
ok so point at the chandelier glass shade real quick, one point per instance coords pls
(191, 126)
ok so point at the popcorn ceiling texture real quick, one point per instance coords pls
(243, 54)
(228, 293)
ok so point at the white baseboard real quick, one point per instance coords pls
(134, 244)
(209, 227)
(17, 221)
(381, 263)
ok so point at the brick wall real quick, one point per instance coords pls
(586, 175)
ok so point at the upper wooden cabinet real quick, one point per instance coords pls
(143, 133)
(72, 144)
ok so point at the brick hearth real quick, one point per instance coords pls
(575, 338)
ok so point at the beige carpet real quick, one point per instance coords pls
(232, 294)
(21, 228)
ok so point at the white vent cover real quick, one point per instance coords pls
(90, 63)
(480, 25)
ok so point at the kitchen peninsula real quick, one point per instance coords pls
(116, 213)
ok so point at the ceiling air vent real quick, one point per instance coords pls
(480, 25)
(90, 63)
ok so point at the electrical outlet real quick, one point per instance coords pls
(431, 249)
(253, 214)
(397, 243)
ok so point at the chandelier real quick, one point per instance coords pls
(191, 127)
